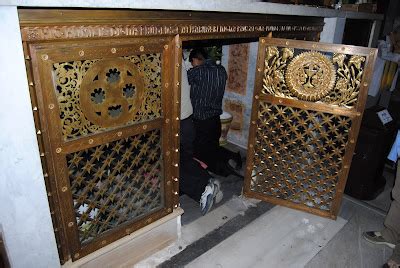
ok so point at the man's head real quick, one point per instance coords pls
(197, 56)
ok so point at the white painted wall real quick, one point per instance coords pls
(333, 30)
(24, 210)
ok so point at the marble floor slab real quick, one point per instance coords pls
(282, 237)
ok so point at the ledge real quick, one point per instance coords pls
(240, 6)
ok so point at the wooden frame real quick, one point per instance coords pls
(355, 113)
(43, 56)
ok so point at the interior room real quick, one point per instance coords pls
(92, 146)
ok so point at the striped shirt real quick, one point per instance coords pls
(207, 89)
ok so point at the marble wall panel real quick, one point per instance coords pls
(237, 68)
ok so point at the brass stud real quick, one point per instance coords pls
(280, 101)
(175, 193)
(176, 150)
(175, 179)
(113, 50)
(177, 65)
(45, 57)
(177, 135)
(58, 150)
(251, 145)
(144, 127)
(168, 183)
(262, 40)
(177, 118)
(305, 106)
(165, 46)
(45, 175)
(358, 113)
(119, 133)
(346, 166)
(178, 46)
(365, 84)
(49, 194)
(166, 85)
(104, 242)
(248, 168)
(256, 97)
(76, 255)
(41, 154)
(149, 220)
(287, 43)
(51, 106)
(177, 102)
(128, 231)
(314, 46)
(167, 120)
(352, 141)
(64, 189)
(70, 224)
(31, 83)
(81, 53)
(38, 132)
(167, 153)
(141, 48)
(175, 206)
(253, 122)
(90, 141)
(35, 108)
(259, 69)
(176, 165)
(177, 84)
(169, 210)
(27, 57)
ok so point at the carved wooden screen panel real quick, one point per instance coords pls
(108, 126)
(307, 109)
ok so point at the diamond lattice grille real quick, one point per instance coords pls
(116, 182)
(299, 154)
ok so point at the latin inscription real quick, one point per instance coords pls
(73, 32)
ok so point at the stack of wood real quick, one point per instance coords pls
(365, 7)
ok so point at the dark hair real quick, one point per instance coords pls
(198, 53)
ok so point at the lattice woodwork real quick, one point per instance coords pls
(307, 109)
(115, 183)
(94, 95)
(299, 154)
(331, 78)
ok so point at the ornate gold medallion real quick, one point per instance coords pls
(111, 92)
(310, 76)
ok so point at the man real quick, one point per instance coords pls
(390, 235)
(207, 81)
(194, 180)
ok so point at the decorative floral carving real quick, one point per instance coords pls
(68, 79)
(316, 78)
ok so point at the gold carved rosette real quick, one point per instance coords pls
(107, 112)
(308, 102)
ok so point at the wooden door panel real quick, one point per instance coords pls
(307, 108)
(106, 110)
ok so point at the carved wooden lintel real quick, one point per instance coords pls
(37, 33)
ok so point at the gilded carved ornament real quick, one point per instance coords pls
(313, 76)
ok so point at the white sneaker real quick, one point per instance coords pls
(211, 192)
